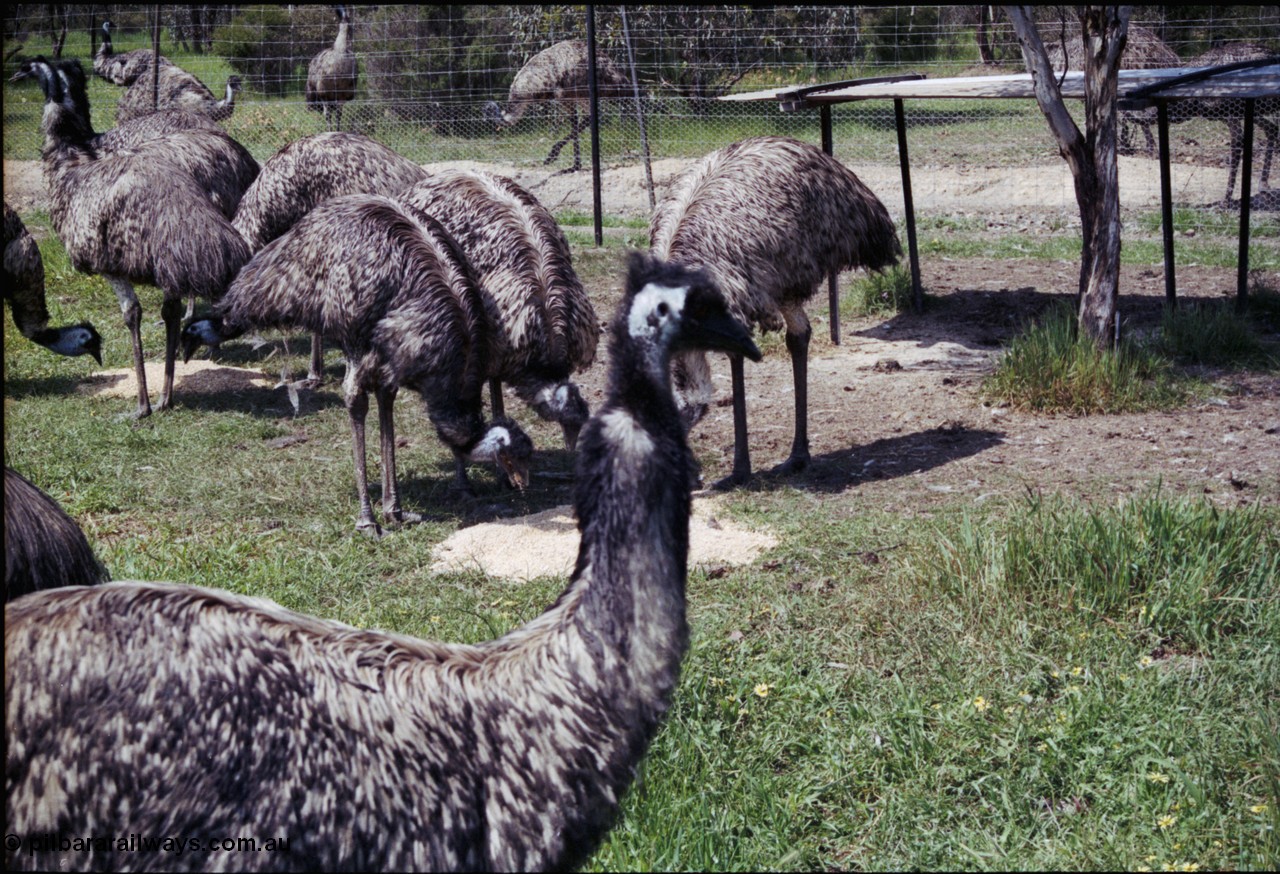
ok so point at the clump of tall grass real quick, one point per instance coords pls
(1050, 368)
(879, 293)
(1184, 569)
(1210, 333)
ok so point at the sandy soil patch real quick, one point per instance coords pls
(546, 543)
(198, 376)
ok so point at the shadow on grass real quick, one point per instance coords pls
(887, 458)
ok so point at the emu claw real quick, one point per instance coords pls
(369, 528)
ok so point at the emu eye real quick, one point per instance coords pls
(663, 309)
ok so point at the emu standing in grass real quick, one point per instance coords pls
(309, 171)
(178, 90)
(544, 327)
(24, 292)
(124, 68)
(559, 74)
(769, 218)
(43, 547)
(331, 76)
(134, 216)
(388, 285)
(377, 751)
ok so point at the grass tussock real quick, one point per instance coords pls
(884, 293)
(1051, 369)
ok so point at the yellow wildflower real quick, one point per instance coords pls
(1258, 808)
(1189, 866)
(1157, 777)
(1146, 661)
(981, 704)
(1166, 821)
(762, 689)
(1077, 671)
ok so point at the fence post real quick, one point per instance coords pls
(594, 94)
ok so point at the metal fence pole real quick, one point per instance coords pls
(595, 123)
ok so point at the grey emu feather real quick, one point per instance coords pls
(24, 292)
(201, 712)
(544, 327)
(306, 173)
(769, 218)
(389, 286)
(178, 89)
(43, 547)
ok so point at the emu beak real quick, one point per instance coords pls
(712, 328)
(190, 343)
(571, 432)
(516, 471)
(96, 352)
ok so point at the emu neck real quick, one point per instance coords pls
(340, 42)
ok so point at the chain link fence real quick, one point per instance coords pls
(434, 81)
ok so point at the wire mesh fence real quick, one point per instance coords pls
(441, 83)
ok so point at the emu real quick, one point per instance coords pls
(178, 89)
(309, 171)
(331, 76)
(133, 216)
(390, 287)
(559, 74)
(377, 751)
(43, 547)
(769, 218)
(124, 68)
(24, 292)
(544, 327)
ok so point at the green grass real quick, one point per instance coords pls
(1212, 333)
(1038, 684)
(1049, 368)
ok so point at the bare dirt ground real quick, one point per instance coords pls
(896, 418)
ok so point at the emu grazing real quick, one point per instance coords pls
(369, 750)
(43, 547)
(544, 327)
(178, 89)
(331, 76)
(124, 68)
(769, 218)
(24, 292)
(558, 74)
(133, 216)
(309, 171)
(388, 285)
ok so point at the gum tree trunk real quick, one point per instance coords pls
(1090, 155)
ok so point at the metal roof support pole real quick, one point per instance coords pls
(917, 290)
(1246, 195)
(1166, 203)
(833, 284)
(594, 96)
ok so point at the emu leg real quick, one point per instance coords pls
(460, 481)
(387, 432)
(132, 311)
(574, 129)
(315, 373)
(1237, 155)
(798, 346)
(741, 454)
(1272, 131)
(357, 409)
(171, 312)
(495, 397)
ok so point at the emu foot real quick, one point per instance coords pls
(369, 528)
(793, 465)
(732, 481)
(402, 517)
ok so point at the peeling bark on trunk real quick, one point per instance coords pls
(1090, 155)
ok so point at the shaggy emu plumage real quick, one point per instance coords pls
(131, 216)
(306, 173)
(178, 90)
(559, 74)
(331, 75)
(24, 292)
(544, 327)
(769, 218)
(376, 751)
(392, 289)
(43, 547)
(125, 68)
(209, 155)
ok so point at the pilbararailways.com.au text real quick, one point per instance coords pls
(53, 842)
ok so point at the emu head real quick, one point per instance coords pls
(493, 114)
(507, 445)
(562, 402)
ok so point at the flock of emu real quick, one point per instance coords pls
(163, 709)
